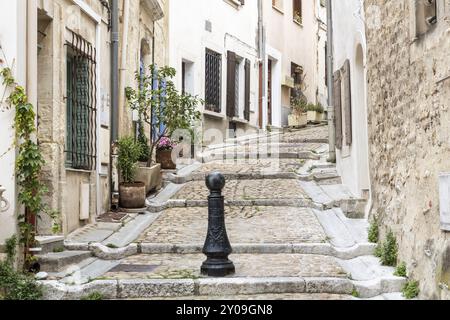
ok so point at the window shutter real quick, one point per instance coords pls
(231, 84)
(347, 103)
(247, 90)
(338, 109)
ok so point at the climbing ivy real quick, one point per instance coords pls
(29, 163)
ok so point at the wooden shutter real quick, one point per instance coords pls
(337, 108)
(247, 90)
(347, 108)
(231, 84)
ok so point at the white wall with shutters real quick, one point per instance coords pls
(349, 42)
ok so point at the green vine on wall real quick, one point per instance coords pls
(29, 164)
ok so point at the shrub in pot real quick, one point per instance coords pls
(298, 116)
(132, 193)
(315, 112)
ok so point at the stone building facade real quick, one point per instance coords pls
(408, 116)
(60, 51)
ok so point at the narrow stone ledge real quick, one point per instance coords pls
(324, 249)
(362, 249)
(54, 290)
(79, 246)
(246, 286)
(380, 286)
(138, 289)
(329, 285)
(103, 252)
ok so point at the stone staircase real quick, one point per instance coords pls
(296, 234)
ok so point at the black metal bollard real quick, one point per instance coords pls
(217, 245)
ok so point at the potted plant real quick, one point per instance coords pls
(164, 153)
(315, 112)
(162, 107)
(132, 193)
(298, 117)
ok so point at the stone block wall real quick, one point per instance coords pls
(409, 141)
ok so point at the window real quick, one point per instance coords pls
(81, 105)
(238, 86)
(213, 83)
(297, 11)
(426, 16)
(187, 77)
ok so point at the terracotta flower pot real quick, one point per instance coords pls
(164, 157)
(132, 195)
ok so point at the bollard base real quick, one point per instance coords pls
(218, 268)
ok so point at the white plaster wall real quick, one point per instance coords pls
(297, 43)
(322, 93)
(349, 33)
(233, 28)
(12, 29)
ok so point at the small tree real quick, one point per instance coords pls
(162, 104)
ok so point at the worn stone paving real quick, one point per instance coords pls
(176, 266)
(246, 190)
(251, 166)
(269, 148)
(246, 225)
(306, 135)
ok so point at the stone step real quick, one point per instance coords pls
(251, 288)
(50, 243)
(266, 297)
(56, 262)
(178, 275)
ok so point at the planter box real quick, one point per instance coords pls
(297, 120)
(315, 117)
(151, 177)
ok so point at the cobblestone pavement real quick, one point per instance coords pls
(246, 225)
(176, 266)
(246, 190)
(268, 148)
(318, 133)
(252, 166)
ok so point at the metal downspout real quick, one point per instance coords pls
(330, 62)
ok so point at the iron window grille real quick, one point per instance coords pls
(81, 104)
(213, 81)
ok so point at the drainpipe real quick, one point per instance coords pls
(331, 116)
(262, 57)
(114, 176)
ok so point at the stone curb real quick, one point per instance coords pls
(182, 203)
(377, 287)
(103, 252)
(152, 288)
(307, 155)
(324, 249)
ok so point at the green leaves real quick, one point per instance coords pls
(164, 103)
(29, 163)
(129, 154)
(373, 231)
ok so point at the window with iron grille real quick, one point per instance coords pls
(81, 105)
(213, 81)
